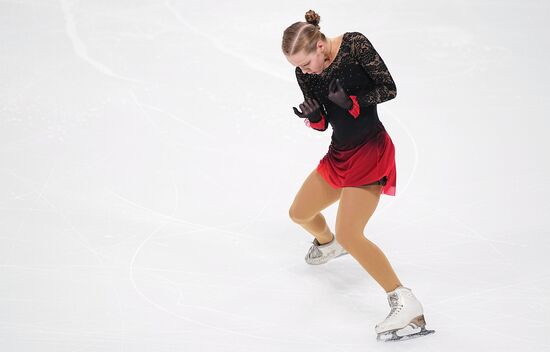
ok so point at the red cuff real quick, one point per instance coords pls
(354, 111)
(316, 125)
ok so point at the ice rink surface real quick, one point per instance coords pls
(149, 156)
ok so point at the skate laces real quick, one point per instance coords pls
(394, 305)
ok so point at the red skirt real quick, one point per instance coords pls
(364, 164)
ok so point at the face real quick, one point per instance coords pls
(310, 63)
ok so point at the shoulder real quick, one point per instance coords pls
(301, 77)
(299, 74)
(359, 44)
(357, 37)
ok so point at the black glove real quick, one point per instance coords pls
(338, 95)
(310, 110)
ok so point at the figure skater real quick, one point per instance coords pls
(342, 79)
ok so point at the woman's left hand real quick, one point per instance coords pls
(338, 95)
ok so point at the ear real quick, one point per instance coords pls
(321, 45)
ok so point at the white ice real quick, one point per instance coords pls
(149, 156)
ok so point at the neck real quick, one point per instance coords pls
(329, 56)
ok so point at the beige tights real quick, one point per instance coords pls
(355, 208)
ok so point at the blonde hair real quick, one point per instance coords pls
(303, 36)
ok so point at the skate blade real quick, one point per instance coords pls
(394, 335)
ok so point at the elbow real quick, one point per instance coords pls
(387, 92)
(393, 91)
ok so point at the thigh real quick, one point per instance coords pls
(357, 204)
(314, 195)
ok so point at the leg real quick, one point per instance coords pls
(357, 204)
(314, 195)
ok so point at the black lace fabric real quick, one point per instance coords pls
(308, 94)
(384, 89)
(362, 73)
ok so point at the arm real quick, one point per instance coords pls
(365, 54)
(321, 124)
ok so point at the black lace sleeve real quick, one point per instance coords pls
(322, 124)
(365, 54)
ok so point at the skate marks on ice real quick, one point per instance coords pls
(80, 48)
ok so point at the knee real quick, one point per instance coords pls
(297, 216)
(346, 238)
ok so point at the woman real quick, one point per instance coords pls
(342, 79)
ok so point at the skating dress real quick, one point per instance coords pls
(361, 151)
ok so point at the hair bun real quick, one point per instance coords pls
(313, 18)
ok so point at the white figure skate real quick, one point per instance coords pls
(322, 253)
(406, 318)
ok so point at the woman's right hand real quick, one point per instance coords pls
(310, 110)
